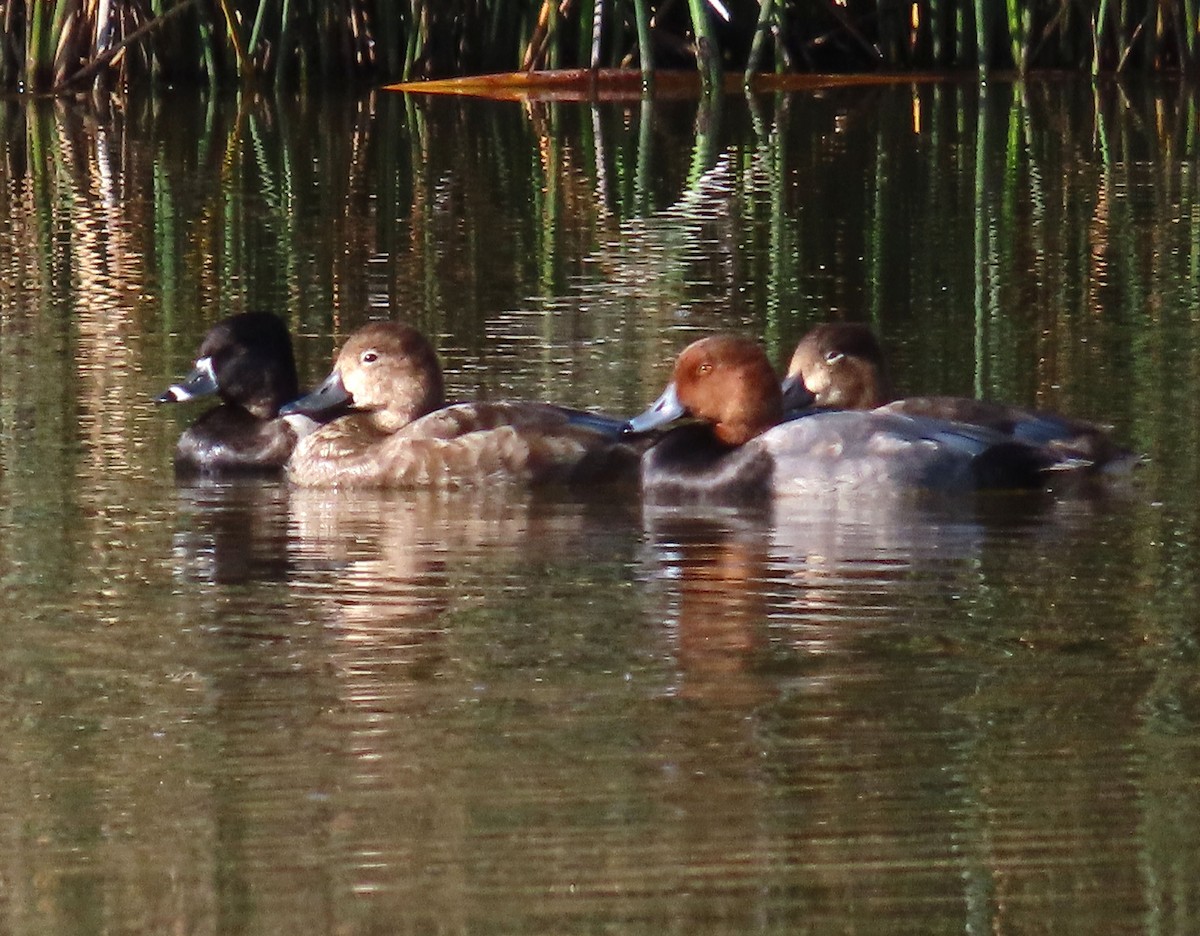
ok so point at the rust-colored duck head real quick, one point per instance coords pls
(725, 381)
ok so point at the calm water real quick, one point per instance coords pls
(245, 709)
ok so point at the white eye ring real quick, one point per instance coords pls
(832, 357)
(369, 357)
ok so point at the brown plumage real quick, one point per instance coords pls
(400, 434)
(841, 365)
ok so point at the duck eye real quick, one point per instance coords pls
(369, 357)
(704, 368)
(832, 357)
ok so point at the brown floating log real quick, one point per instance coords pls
(581, 84)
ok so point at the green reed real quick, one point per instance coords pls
(57, 46)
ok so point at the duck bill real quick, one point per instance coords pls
(201, 382)
(796, 396)
(666, 409)
(330, 399)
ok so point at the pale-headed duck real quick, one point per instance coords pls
(400, 433)
(840, 365)
(741, 449)
(247, 361)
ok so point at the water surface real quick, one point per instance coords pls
(244, 708)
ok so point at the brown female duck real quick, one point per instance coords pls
(399, 432)
(840, 365)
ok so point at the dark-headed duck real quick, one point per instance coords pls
(247, 361)
(400, 433)
(739, 448)
(840, 365)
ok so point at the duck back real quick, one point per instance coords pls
(1067, 437)
(461, 445)
(882, 452)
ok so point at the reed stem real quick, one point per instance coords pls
(53, 44)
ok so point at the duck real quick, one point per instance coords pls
(247, 361)
(738, 445)
(399, 432)
(841, 365)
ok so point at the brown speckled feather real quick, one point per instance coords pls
(459, 446)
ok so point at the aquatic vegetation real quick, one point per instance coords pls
(62, 45)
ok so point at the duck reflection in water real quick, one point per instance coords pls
(234, 532)
(393, 568)
(712, 569)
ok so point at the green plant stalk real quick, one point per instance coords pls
(765, 10)
(960, 35)
(983, 35)
(1098, 34)
(584, 24)
(61, 11)
(241, 63)
(645, 52)
(156, 52)
(933, 19)
(36, 62)
(1016, 36)
(708, 60)
(1188, 14)
(283, 59)
(413, 47)
(256, 29)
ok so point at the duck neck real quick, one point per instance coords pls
(740, 431)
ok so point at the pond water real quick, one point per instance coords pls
(244, 708)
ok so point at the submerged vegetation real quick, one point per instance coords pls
(63, 45)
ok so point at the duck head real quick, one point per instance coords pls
(838, 365)
(723, 380)
(247, 361)
(385, 370)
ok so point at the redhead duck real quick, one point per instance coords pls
(400, 433)
(247, 361)
(740, 449)
(840, 365)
